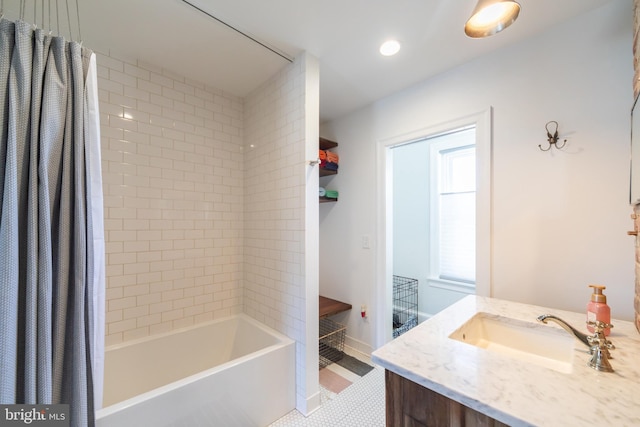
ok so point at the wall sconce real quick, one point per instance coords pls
(490, 17)
(552, 139)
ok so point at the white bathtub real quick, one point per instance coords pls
(228, 372)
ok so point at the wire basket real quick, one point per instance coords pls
(405, 304)
(331, 342)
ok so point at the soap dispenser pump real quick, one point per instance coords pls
(597, 308)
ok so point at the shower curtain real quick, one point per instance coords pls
(51, 232)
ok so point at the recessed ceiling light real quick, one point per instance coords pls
(390, 47)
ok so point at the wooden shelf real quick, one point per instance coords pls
(327, 199)
(329, 307)
(326, 144)
(326, 172)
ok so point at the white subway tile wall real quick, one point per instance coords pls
(204, 202)
(172, 158)
(274, 208)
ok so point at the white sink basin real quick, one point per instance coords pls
(530, 342)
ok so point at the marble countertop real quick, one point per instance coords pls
(513, 391)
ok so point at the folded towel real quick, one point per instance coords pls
(330, 166)
(331, 194)
(322, 155)
(332, 157)
(322, 191)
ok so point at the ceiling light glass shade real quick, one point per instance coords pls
(490, 17)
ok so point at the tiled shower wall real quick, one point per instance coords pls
(274, 203)
(172, 161)
(274, 198)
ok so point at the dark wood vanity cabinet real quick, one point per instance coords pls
(411, 405)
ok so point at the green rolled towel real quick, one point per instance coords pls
(331, 194)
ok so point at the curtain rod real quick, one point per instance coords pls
(46, 14)
(277, 52)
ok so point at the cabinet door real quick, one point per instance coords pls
(411, 405)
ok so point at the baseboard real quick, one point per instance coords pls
(422, 316)
(366, 349)
(358, 346)
(307, 406)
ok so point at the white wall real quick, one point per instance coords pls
(411, 215)
(559, 218)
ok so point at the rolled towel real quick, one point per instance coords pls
(332, 157)
(322, 191)
(330, 166)
(322, 156)
(331, 194)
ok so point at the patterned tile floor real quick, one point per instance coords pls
(359, 405)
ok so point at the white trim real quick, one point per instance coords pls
(422, 316)
(384, 212)
(96, 217)
(484, 192)
(358, 346)
(309, 405)
(450, 285)
(438, 144)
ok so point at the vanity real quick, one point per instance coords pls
(489, 362)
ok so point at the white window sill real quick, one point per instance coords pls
(450, 285)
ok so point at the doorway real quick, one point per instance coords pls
(432, 154)
(434, 203)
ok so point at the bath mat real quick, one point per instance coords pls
(332, 381)
(354, 365)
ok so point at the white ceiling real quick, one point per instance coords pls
(343, 35)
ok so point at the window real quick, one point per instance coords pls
(453, 207)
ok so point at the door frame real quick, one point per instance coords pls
(384, 212)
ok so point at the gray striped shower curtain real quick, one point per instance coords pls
(51, 233)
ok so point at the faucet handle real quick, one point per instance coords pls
(600, 347)
(599, 339)
(599, 325)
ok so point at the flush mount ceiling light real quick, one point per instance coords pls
(490, 17)
(390, 47)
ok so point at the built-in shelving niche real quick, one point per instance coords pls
(326, 144)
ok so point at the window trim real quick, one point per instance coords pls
(436, 148)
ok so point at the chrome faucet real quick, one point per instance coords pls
(583, 338)
(598, 343)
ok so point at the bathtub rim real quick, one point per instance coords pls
(283, 341)
(257, 323)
